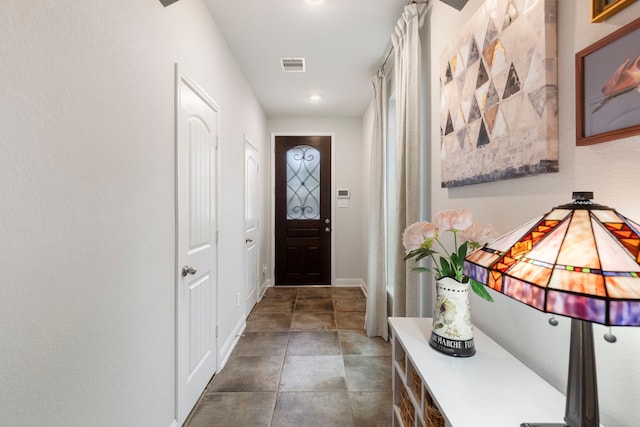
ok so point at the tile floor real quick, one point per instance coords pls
(304, 361)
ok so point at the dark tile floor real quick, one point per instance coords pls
(304, 361)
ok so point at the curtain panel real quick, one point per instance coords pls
(407, 62)
(406, 45)
(376, 317)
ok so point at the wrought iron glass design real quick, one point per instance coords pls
(303, 183)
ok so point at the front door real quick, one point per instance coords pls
(196, 276)
(303, 210)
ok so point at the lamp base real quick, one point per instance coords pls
(582, 389)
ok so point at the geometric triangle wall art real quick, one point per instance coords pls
(501, 44)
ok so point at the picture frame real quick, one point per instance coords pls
(601, 10)
(608, 87)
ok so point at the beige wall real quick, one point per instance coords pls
(87, 224)
(608, 169)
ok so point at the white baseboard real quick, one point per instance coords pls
(358, 283)
(349, 283)
(230, 343)
(263, 288)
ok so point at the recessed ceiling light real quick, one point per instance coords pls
(314, 2)
(314, 97)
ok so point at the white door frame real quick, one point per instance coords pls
(273, 199)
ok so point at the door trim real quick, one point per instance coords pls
(272, 228)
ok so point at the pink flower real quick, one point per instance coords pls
(478, 233)
(421, 242)
(417, 233)
(453, 219)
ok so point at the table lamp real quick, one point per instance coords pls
(579, 260)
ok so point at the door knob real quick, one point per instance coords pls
(327, 229)
(186, 270)
(327, 221)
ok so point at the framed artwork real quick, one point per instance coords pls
(601, 10)
(499, 94)
(608, 87)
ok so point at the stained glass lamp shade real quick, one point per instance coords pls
(579, 260)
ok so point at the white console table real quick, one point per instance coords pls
(491, 388)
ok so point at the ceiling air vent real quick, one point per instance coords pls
(292, 65)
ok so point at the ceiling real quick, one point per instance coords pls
(342, 41)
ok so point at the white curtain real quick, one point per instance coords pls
(376, 318)
(406, 45)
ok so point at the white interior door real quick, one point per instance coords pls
(196, 198)
(251, 212)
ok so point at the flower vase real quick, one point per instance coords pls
(452, 331)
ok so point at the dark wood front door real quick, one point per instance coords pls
(303, 210)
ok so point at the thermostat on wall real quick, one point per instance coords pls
(344, 193)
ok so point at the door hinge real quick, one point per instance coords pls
(217, 330)
(217, 236)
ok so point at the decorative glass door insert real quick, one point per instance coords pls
(303, 183)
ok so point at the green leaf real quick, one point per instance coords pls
(411, 254)
(480, 290)
(421, 256)
(419, 253)
(455, 259)
(421, 269)
(462, 251)
(444, 264)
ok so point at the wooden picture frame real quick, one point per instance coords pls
(601, 10)
(608, 87)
